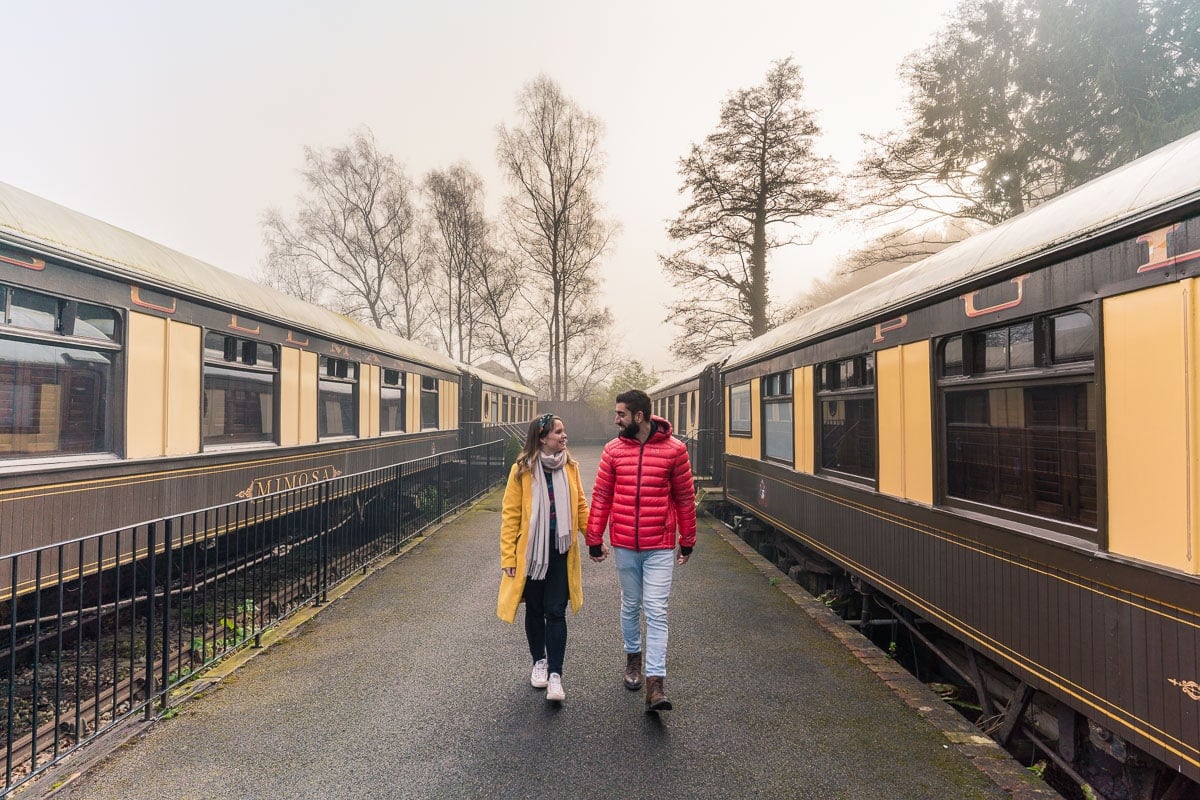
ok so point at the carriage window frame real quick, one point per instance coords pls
(848, 381)
(63, 326)
(393, 386)
(246, 364)
(777, 393)
(1066, 380)
(741, 399)
(334, 377)
(430, 406)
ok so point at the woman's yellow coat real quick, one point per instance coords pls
(514, 539)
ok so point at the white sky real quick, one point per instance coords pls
(184, 122)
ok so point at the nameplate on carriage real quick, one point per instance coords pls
(288, 480)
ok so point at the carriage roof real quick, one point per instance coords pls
(1166, 178)
(31, 221)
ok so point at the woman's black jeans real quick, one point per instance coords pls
(545, 613)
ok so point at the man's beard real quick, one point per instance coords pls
(631, 430)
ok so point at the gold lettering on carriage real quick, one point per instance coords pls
(1190, 688)
(288, 480)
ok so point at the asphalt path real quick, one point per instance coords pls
(409, 686)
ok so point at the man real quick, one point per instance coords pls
(644, 484)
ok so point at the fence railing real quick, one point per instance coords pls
(104, 627)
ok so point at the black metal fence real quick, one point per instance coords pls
(98, 629)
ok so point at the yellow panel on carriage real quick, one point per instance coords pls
(448, 398)
(905, 422)
(289, 396)
(802, 418)
(741, 444)
(1152, 415)
(145, 400)
(309, 364)
(162, 405)
(183, 376)
(368, 400)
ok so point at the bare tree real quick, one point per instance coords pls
(755, 176)
(505, 325)
(355, 242)
(459, 237)
(301, 278)
(553, 162)
(591, 356)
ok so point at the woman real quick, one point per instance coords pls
(544, 506)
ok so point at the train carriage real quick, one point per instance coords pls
(493, 407)
(137, 382)
(693, 402)
(1003, 439)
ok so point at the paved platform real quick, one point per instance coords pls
(408, 686)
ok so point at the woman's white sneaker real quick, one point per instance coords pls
(537, 678)
(554, 688)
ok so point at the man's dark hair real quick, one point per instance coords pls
(636, 400)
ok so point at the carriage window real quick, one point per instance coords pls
(391, 402)
(57, 360)
(1071, 338)
(34, 311)
(429, 403)
(739, 410)
(778, 431)
(846, 398)
(952, 357)
(240, 387)
(337, 409)
(1020, 431)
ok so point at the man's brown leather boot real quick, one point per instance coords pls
(656, 698)
(633, 671)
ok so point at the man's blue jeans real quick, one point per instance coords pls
(645, 577)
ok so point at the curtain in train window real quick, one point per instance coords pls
(240, 388)
(337, 393)
(739, 410)
(57, 361)
(778, 431)
(846, 399)
(429, 403)
(392, 402)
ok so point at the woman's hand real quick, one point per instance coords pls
(509, 571)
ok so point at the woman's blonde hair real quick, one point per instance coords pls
(538, 429)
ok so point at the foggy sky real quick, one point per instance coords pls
(183, 123)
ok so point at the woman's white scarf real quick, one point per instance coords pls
(538, 555)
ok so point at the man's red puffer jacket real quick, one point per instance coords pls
(647, 490)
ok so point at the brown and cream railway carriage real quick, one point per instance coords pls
(1005, 439)
(692, 401)
(137, 382)
(492, 406)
